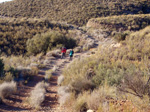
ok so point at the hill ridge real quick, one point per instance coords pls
(75, 12)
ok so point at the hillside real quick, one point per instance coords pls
(124, 22)
(14, 33)
(107, 71)
(73, 11)
(115, 78)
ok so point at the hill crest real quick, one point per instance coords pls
(72, 11)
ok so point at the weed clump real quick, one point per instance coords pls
(37, 95)
(60, 80)
(7, 88)
(63, 92)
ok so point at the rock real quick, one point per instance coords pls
(90, 111)
(60, 80)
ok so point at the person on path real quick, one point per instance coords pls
(71, 54)
(63, 51)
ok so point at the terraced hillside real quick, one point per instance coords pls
(124, 22)
(73, 11)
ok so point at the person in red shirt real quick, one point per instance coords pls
(63, 51)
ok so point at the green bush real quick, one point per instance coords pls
(80, 85)
(8, 77)
(120, 36)
(1, 67)
(48, 41)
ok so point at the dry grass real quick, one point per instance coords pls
(64, 95)
(7, 88)
(60, 80)
(125, 66)
(121, 23)
(16, 65)
(16, 32)
(80, 104)
(16, 61)
(48, 75)
(37, 95)
(76, 12)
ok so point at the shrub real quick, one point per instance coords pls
(76, 71)
(63, 89)
(38, 44)
(96, 97)
(80, 104)
(138, 43)
(16, 61)
(60, 80)
(135, 85)
(8, 77)
(62, 99)
(37, 99)
(48, 75)
(41, 85)
(27, 73)
(99, 96)
(1, 67)
(64, 94)
(7, 88)
(37, 95)
(48, 41)
(80, 85)
(120, 36)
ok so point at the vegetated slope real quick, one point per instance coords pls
(123, 22)
(73, 11)
(116, 72)
(15, 32)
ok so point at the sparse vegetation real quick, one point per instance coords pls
(126, 68)
(114, 77)
(75, 12)
(121, 23)
(1, 67)
(48, 41)
(38, 95)
(7, 88)
(48, 75)
(60, 80)
(17, 68)
(63, 92)
(15, 33)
